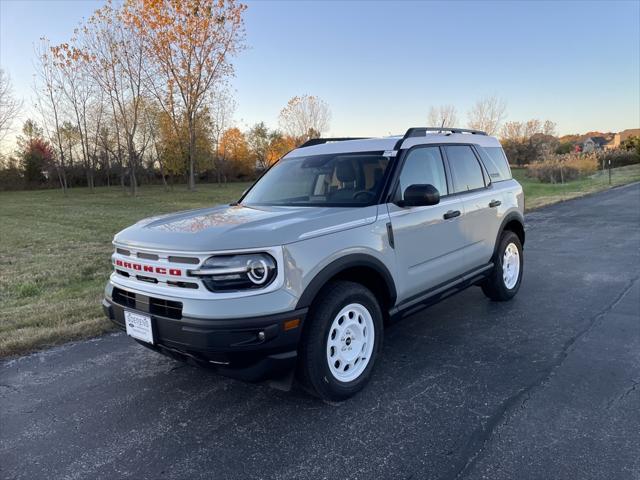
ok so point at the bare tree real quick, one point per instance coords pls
(305, 117)
(48, 91)
(223, 107)
(549, 128)
(527, 142)
(151, 138)
(83, 101)
(115, 58)
(9, 105)
(487, 114)
(443, 116)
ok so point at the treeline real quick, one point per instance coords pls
(229, 155)
(140, 94)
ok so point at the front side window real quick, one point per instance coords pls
(423, 166)
(465, 168)
(496, 163)
(332, 180)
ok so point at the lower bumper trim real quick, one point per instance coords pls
(251, 349)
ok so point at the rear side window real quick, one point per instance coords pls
(495, 162)
(465, 168)
(423, 166)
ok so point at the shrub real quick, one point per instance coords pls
(11, 178)
(563, 168)
(619, 158)
(564, 148)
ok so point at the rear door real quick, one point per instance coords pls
(428, 239)
(472, 185)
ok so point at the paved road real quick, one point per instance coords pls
(546, 386)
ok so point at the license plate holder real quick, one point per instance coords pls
(139, 326)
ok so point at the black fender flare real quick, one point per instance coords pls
(518, 217)
(341, 264)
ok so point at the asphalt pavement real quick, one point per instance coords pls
(546, 386)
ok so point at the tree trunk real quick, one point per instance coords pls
(133, 183)
(192, 152)
(164, 178)
(63, 180)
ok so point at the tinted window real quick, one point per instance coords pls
(341, 179)
(496, 163)
(424, 166)
(466, 171)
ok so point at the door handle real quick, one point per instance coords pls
(451, 214)
(494, 203)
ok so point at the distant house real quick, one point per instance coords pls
(618, 138)
(593, 143)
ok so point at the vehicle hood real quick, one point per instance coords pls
(230, 227)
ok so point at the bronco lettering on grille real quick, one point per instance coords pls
(176, 272)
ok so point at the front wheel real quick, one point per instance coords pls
(341, 340)
(504, 281)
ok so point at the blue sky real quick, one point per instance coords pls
(381, 65)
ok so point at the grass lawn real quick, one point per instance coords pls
(55, 256)
(55, 250)
(538, 194)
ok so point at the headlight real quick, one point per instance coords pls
(223, 273)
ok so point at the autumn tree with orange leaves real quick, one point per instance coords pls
(190, 45)
(234, 152)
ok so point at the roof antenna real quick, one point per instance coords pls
(441, 126)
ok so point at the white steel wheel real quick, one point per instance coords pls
(350, 342)
(511, 265)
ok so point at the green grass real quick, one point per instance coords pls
(55, 249)
(539, 194)
(55, 256)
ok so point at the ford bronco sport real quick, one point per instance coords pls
(339, 236)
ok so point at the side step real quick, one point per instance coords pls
(439, 293)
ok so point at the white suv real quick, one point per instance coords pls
(335, 238)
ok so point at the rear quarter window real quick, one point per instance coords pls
(495, 161)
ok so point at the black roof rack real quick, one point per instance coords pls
(418, 131)
(318, 141)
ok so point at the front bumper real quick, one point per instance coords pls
(251, 349)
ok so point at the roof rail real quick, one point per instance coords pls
(418, 131)
(318, 141)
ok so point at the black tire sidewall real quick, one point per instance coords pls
(505, 240)
(331, 301)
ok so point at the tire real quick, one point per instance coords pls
(341, 322)
(504, 281)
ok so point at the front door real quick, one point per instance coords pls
(429, 240)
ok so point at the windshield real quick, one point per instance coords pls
(334, 180)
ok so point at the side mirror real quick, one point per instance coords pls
(420, 196)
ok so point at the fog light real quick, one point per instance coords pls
(261, 336)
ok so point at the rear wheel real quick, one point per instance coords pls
(504, 281)
(341, 340)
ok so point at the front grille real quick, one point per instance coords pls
(189, 260)
(148, 256)
(152, 305)
(124, 298)
(142, 278)
(165, 308)
(130, 268)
